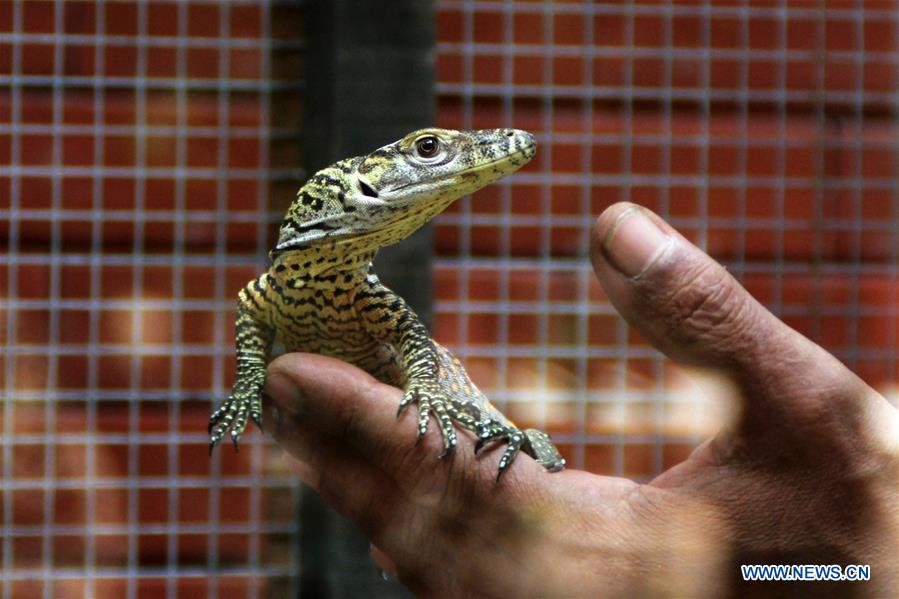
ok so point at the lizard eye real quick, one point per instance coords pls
(427, 147)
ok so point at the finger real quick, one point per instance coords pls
(342, 426)
(351, 485)
(336, 399)
(349, 406)
(692, 309)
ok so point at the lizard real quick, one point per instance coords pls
(321, 295)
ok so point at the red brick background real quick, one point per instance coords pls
(146, 147)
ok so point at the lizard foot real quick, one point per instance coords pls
(430, 397)
(232, 415)
(512, 436)
(534, 443)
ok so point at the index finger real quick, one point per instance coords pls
(358, 412)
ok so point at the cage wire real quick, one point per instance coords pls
(140, 144)
(766, 133)
(139, 152)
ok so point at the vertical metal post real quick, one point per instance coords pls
(369, 76)
(369, 81)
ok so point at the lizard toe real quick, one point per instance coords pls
(231, 417)
(446, 428)
(408, 398)
(490, 430)
(515, 441)
(431, 400)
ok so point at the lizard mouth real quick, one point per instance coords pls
(293, 244)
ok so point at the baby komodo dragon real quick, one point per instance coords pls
(320, 294)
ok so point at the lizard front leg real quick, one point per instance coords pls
(391, 321)
(254, 340)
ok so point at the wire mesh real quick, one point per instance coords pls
(145, 146)
(137, 152)
(766, 132)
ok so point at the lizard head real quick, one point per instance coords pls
(361, 204)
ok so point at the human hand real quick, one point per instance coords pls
(806, 473)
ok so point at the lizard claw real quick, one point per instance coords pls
(492, 430)
(256, 411)
(514, 445)
(232, 415)
(408, 398)
(431, 399)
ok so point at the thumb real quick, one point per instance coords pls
(681, 300)
(689, 307)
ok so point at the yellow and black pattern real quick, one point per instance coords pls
(320, 294)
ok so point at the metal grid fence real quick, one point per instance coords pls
(766, 132)
(140, 143)
(138, 147)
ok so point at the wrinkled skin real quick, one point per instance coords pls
(805, 473)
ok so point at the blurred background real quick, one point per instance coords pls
(148, 150)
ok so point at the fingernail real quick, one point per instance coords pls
(634, 242)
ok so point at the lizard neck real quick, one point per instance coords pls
(318, 265)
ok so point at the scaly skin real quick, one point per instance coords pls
(321, 296)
